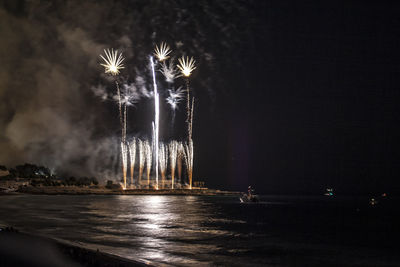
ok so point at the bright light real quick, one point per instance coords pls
(162, 52)
(124, 152)
(113, 61)
(188, 148)
(186, 66)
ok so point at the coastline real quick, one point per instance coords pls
(24, 249)
(74, 190)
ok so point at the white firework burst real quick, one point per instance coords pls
(113, 61)
(186, 66)
(129, 94)
(162, 51)
(175, 96)
(170, 71)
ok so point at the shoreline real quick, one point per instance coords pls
(73, 190)
(20, 248)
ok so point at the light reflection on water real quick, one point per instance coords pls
(204, 231)
(159, 229)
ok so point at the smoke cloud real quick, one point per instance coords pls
(54, 109)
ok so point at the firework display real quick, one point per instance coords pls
(132, 157)
(157, 157)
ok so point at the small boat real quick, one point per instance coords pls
(329, 192)
(249, 197)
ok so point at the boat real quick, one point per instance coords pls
(329, 192)
(249, 197)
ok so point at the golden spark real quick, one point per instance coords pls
(186, 66)
(162, 52)
(113, 61)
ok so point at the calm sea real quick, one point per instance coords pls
(209, 231)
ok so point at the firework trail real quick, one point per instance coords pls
(149, 155)
(163, 159)
(181, 153)
(132, 155)
(186, 66)
(142, 159)
(156, 118)
(112, 64)
(173, 154)
(189, 161)
(120, 111)
(125, 117)
(191, 119)
(124, 152)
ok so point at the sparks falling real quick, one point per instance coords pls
(174, 97)
(124, 153)
(150, 151)
(181, 155)
(142, 159)
(156, 118)
(169, 71)
(163, 160)
(173, 155)
(149, 157)
(189, 161)
(132, 156)
(112, 61)
(162, 52)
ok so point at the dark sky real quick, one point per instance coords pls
(291, 96)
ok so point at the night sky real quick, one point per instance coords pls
(291, 96)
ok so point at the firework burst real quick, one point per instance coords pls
(170, 71)
(162, 52)
(129, 95)
(174, 97)
(112, 61)
(186, 66)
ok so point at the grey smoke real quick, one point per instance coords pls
(53, 96)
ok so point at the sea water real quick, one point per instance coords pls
(216, 230)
